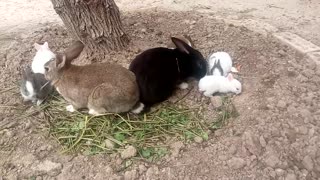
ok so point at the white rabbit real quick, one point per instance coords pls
(220, 64)
(43, 55)
(219, 84)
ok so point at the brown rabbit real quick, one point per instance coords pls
(101, 87)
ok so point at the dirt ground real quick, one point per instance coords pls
(297, 16)
(276, 135)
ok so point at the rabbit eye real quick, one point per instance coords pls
(199, 65)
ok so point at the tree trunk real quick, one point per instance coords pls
(96, 23)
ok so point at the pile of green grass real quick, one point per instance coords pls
(226, 111)
(148, 133)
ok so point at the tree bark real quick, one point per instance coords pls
(96, 23)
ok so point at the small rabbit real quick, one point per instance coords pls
(220, 64)
(43, 55)
(211, 85)
(160, 70)
(185, 38)
(34, 87)
(101, 87)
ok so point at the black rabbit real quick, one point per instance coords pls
(160, 70)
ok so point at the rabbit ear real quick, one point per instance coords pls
(61, 61)
(74, 50)
(41, 47)
(234, 69)
(230, 77)
(26, 72)
(37, 46)
(45, 45)
(182, 46)
(190, 43)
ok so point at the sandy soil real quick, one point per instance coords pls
(276, 135)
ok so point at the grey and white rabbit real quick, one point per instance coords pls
(220, 64)
(34, 87)
(101, 88)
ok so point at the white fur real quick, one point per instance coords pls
(39, 102)
(219, 84)
(30, 90)
(183, 85)
(234, 70)
(93, 112)
(43, 55)
(70, 108)
(138, 109)
(58, 90)
(225, 62)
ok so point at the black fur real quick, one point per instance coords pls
(160, 70)
(218, 66)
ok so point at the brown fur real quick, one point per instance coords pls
(73, 51)
(101, 87)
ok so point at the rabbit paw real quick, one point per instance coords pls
(93, 112)
(208, 94)
(70, 108)
(58, 90)
(183, 85)
(39, 102)
(138, 109)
